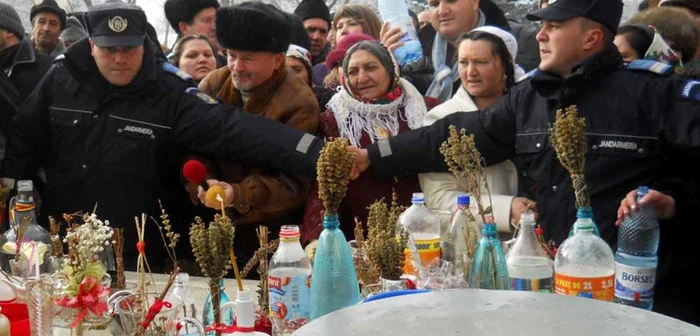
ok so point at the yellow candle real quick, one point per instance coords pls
(4, 325)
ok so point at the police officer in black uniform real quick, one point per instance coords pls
(106, 119)
(642, 128)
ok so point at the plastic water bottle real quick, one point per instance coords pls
(635, 259)
(424, 233)
(396, 13)
(180, 293)
(529, 267)
(208, 310)
(289, 282)
(463, 234)
(334, 282)
(584, 265)
(489, 270)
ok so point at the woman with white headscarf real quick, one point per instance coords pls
(487, 72)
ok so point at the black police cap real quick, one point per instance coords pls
(116, 24)
(605, 12)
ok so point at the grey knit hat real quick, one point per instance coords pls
(9, 20)
(74, 30)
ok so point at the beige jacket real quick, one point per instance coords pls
(441, 189)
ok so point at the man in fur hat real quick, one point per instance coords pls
(316, 18)
(257, 80)
(195, 17)
(48, 21)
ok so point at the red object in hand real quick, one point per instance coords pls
(194, 172)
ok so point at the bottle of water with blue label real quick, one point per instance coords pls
(396, 13)
(635, 259)
(289, 282)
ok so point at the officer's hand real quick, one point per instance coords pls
(521, 205)
(663, 205)
(212, 202)
(361, 161)
(390, 37)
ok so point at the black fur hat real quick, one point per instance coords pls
(177, 11)
(253, 26)
(299, 36)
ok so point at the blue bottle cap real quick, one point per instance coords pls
(641, 191)
(584, 212)
(463, 200)
(418, 198)
(330, 221)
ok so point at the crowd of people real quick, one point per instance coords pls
(96, 111)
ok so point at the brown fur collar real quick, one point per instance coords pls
(261, 95)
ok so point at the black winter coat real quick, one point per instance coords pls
(116, 146)
(642, 129)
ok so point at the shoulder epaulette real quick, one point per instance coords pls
(175, 71)
(651, 66)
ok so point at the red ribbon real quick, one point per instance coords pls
(228, 329)
(88, 300)
(156, 307)
(141, 247)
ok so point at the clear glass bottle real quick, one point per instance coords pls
(463, 235)
(334, 283)
(289, 282)
(636, 260)
(529, 267)
(208, 309)
(36, 242)
(584, 265)
(180, 293)
(489, 270)
(424, 233)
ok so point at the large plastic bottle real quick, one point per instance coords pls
(584, 265)
(334, 282)
(35, 238)
(489, 270)
(584, 213)
(635, 259)
(289, 282)
(180, 293)
(396, 13)
(462, 227)
(529, 267)
(424, 232)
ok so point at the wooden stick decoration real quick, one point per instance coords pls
(235, 269)
(157, 305)
(119, 256)
(263, 299)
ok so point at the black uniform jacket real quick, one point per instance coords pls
(641, 129)
(114, 146)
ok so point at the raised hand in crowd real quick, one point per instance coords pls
(361, 161)
(521, 205)
(390, 37)
(663, 205)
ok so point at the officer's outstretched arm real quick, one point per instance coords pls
(235, 135)
(418, 151)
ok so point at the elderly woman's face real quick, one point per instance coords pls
(296, 66)
(480, 69)
(367, 76)
(346, 26)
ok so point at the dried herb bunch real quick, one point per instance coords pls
(170, 238)
(211, 246)
(568, 138)
(56, 240)
(333, 172)
(464, 161)
(367, 272)
(386, 239)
